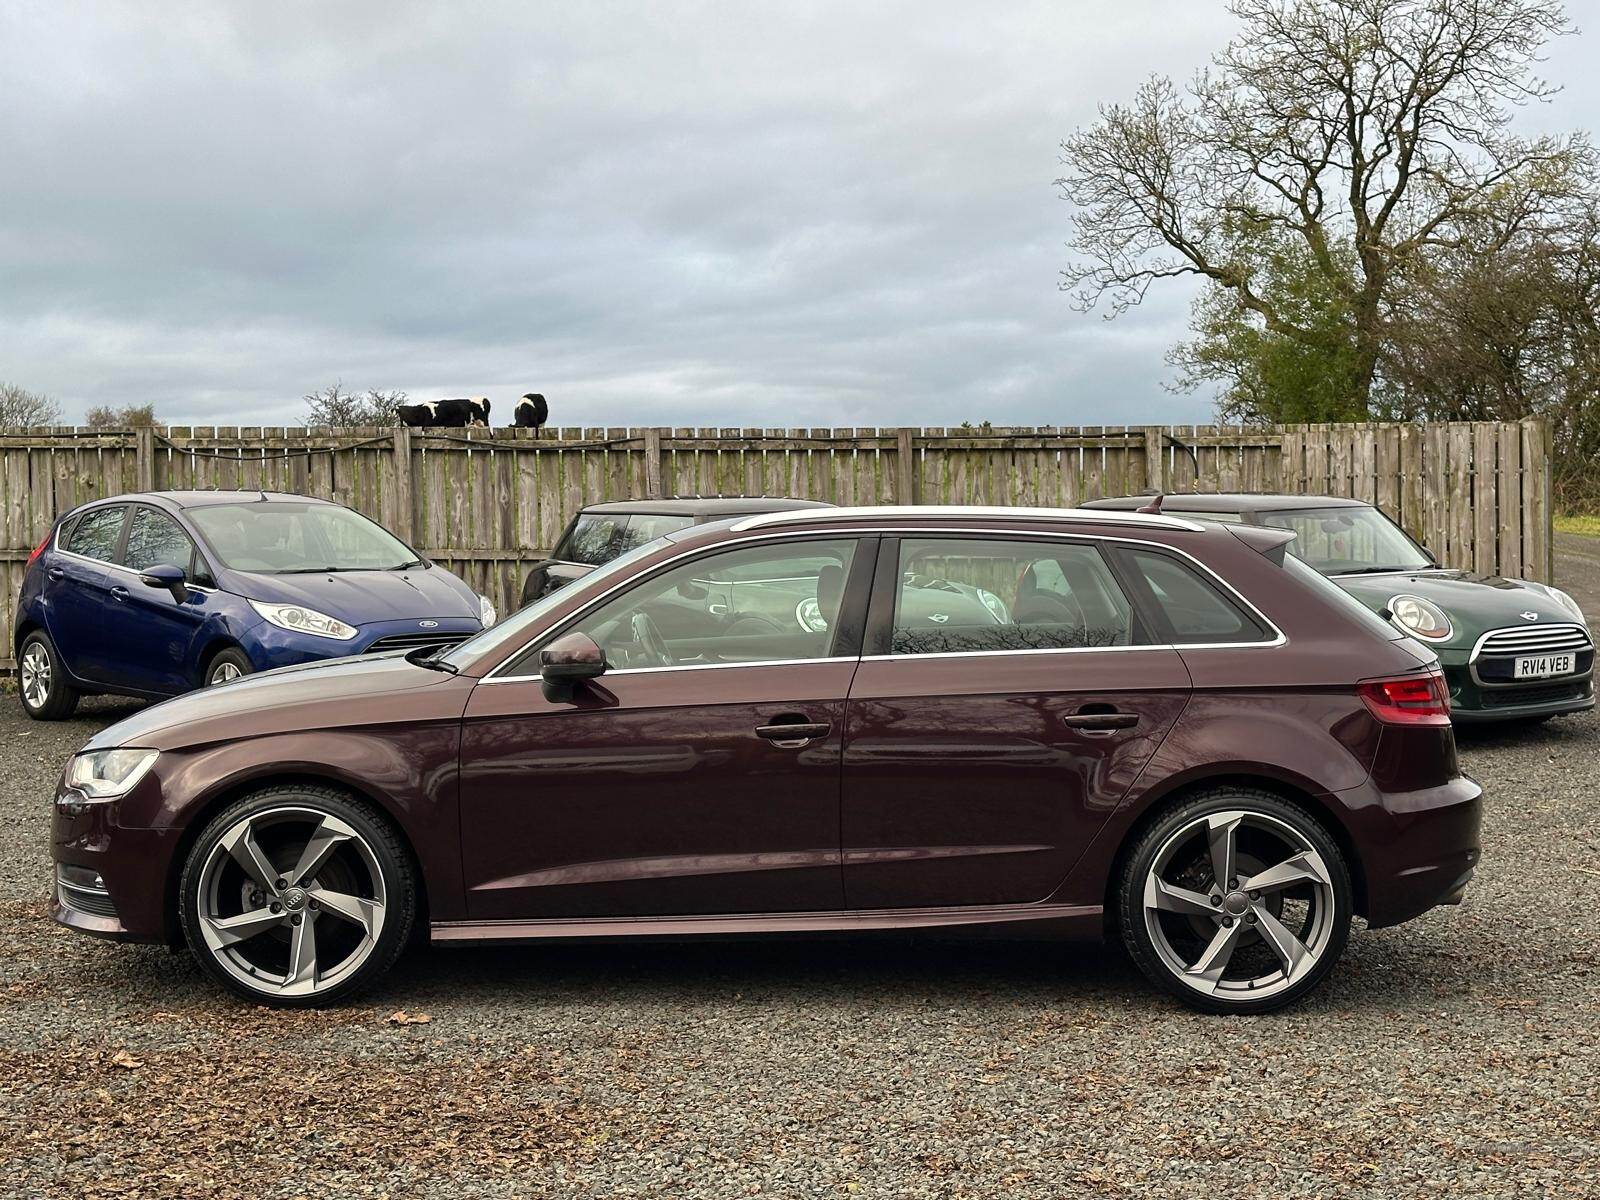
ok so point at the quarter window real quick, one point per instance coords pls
(758, 604)
(96, 533)
(155, 539)
(1195, 608)
(963, 595)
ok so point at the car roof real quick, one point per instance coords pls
(1229, 502)
(204, 499)
(713, 507)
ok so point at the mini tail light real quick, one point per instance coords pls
(1408, 699)
(39, 549)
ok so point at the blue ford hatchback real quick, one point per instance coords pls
(156, 593)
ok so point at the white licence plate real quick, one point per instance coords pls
(1542, 666)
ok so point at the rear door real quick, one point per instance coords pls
(1009, 697)
(78, 587)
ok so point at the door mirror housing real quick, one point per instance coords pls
(166, 575)
(567, 661)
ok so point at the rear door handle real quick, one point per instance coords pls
(1101, 722)
(791, 734)
(119, 593)
(57, 573)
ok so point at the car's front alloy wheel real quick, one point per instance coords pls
(297, 895)
(1236, 901)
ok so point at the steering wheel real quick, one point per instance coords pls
(650, 640)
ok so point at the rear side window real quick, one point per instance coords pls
(96, 533)
(597, 538)
(969, 595)
(1193, 607)
(155, 539)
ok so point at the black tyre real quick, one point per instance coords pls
(297, 896)
(41, 680)
(226, 665)
(1235, 901)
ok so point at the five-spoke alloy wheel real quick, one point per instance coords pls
(1236, 901)
(297, 895)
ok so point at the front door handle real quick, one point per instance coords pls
(793, 734)
(1101, 722)
(119, 593)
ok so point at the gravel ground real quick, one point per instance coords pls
(1454, 1056)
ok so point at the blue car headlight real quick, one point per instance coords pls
(297, 618)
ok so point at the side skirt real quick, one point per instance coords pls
(1076, 922)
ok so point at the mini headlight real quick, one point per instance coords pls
(107, 774)
(486, 612)
(1420, 617)
(1566, 601)
(300, 619)
(995, 605)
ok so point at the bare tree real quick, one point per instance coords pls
(1367, 131)
(19, 406)
(129, 416)
(335, 406)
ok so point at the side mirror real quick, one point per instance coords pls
(567, 661)
(165, 575)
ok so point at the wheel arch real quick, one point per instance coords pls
(1156, 804)
(237, 789)
(213, 647)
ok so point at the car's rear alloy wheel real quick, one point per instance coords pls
(45, 693)
(297, 896)
(1237, 902)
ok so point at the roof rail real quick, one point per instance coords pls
(1097, 516)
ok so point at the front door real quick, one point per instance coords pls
(155, 630)
(700, 774)
(1004, 707)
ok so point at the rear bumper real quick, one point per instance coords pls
(1418, 849)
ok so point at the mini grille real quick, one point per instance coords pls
(1551, 639)
(410, 641)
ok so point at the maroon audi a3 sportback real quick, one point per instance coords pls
(1042, 722)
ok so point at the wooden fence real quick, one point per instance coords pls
(483, 502)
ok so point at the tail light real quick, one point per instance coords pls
(39, 549)
(1408, 699)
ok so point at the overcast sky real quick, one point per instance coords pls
(677, 214)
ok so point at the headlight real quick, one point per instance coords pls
(299, 619)
(107, 774)
(1566, 601)
(995, 605)
(1421, 617)
(486, 612)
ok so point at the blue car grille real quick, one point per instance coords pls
(410, 641)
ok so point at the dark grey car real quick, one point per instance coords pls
(602, 532)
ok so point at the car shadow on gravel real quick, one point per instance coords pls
(1556, 732)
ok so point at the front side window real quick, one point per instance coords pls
(1348, 540)
(286, 537)
(155, 539)
(966, 595)
(758, 604)
(1195, 609)
(96, 533)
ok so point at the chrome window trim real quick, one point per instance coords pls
(1279, 638)
(57, 548)
(1097, 516)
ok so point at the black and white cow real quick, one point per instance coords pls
(446, 414)
(532, 412)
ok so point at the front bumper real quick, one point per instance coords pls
(1473, 702)
(270, 646)
(134, 865)
(1417, 849)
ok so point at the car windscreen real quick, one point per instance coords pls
(285, 537)
(599, 537)
(1348, 540)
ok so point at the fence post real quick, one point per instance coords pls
(905, 467)
(144, 458)
(1155, 458)
(652, 464)
(405, 510)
